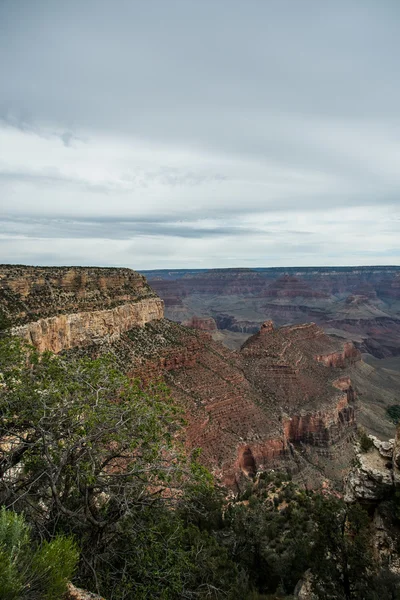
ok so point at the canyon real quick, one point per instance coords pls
(361, 304)
(286, 400)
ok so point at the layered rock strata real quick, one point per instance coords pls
(62, 308)
(297, 371)
(285, 400)
(64, 332)
(201, 323)
(358, 303)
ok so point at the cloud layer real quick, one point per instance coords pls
(199, 134)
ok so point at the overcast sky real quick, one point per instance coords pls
(199, 133)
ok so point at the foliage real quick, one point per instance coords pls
(89, 453)
(29, 571)
(343, 564)
(87, 449)
(393, 412)
(86, 434)
(5, 322)
(282, 531)
(272, 537)
(162, 556)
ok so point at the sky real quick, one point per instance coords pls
(199, 133)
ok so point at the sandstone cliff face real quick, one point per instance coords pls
(30, 293)
(323, 427)
(64, 332)
(62, 308)
(340, 359)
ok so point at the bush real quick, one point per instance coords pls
(393, 412)
(29, 572)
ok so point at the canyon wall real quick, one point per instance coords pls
(358, 303)
(59, 308)
(63, 332)
(299, 371)
(284, 401)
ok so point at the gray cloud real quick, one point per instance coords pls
(114, 229)
(239, 129)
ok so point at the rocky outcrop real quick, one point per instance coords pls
(31, 293)
(341, 359)
(74, 593)
(376, 474)
(374, 482)
(267, 327)
(321, 428)
(315, 403)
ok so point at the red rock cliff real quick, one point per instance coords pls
(247, 410)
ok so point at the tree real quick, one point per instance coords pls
(272, 543)
(83, 448)
(343, 565)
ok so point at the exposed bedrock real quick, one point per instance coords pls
(59, 308)
(201, 323)
(376, 475)
(322, 428)
(360, 301)
(30, 293)
(299, 370)
(340, 359)
(63, 332)
(286, 390)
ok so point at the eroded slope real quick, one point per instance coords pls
(285, 400)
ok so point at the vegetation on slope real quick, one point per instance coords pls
(393, 412)
(32, 570)
(93, 460)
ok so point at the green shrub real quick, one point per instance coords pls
(30, 572)
(393, 412)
